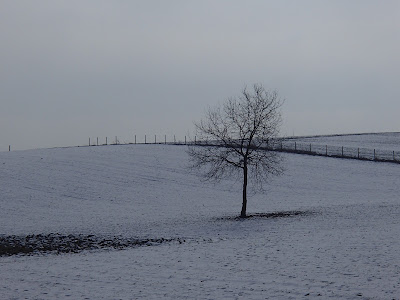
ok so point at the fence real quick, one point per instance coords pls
(143, 139)
(327, 150)
(337, 151)
(280, 145)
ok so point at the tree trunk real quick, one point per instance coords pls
(244, 204)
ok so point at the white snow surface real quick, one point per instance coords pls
(347, 247)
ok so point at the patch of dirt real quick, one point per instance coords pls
(58, 243)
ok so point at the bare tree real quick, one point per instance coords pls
(236, 137)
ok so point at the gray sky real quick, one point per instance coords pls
(70, 70)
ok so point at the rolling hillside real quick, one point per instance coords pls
(342, 245)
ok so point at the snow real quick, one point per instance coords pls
(344, 247)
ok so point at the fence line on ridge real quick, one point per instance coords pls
(360, 153)
(280, 145)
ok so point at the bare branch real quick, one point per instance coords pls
(237, 134)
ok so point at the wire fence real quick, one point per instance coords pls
(337, 151)
(281, 145)
(142, 139)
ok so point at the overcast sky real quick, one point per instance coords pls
(70, 70)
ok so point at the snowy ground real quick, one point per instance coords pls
(346, 246)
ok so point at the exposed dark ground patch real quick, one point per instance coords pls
(58, 243)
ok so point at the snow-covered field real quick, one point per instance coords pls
(345, 246)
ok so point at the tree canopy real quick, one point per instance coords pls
(235, 139)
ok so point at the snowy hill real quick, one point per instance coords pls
(344, 246)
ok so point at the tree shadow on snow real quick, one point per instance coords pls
(272, 215)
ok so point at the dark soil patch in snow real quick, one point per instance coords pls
(280, 214)
(58, 243)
